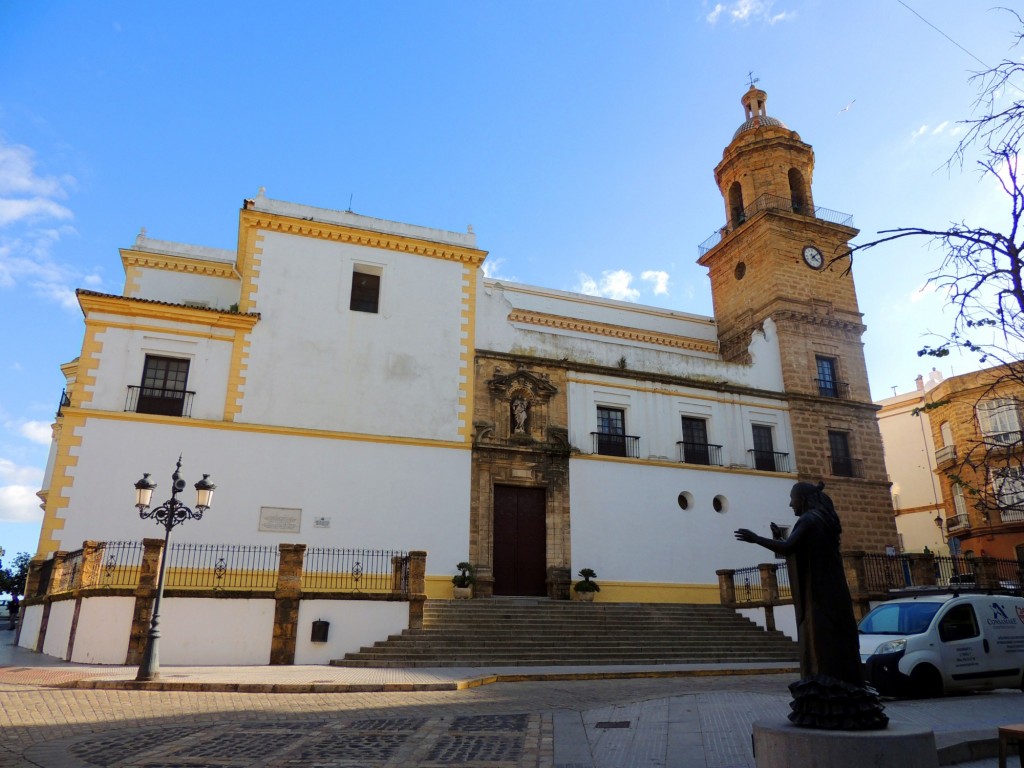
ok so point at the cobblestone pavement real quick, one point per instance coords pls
(687, 722)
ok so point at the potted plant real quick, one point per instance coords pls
(463, 582)
(585, 589)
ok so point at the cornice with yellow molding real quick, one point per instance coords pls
(157, 310)
(275, 222)
(132, 258)
(623, 332)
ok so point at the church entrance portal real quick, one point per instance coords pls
(520, 552)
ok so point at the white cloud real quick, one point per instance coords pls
(743, 11)
(18, 174)
(36, 431)
(919, 132)
(492, 269)
(18, 475)
(19, 504)
(940, 127)
(613, 285)
(659, 279)
(30, 209)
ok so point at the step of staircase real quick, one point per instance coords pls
(539, 632)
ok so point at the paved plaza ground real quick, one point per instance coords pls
(691, 718)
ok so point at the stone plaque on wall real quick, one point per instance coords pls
(280, 520)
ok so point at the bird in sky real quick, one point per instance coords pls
(847, 107)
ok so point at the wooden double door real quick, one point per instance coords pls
(520, 541)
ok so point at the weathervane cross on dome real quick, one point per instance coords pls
(753, 79)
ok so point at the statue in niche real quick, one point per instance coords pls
(831, 692)
(519, 414)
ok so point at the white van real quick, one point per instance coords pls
(934, 644)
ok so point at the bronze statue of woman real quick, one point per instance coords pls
(831, 692)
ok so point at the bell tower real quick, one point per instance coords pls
(779, 256)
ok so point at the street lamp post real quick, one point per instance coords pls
(169, 514)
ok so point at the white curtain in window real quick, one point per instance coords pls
(999, 417)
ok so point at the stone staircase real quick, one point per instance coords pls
(540, 632)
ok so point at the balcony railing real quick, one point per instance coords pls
(610, 444)
(1011, 515)
(65, 401)
(776, 203)
(957, 523)
(944, 454)
(769, 461)
(832, 388)
(1007, 440)
(844, 466)
(700, 453)
(163, 402)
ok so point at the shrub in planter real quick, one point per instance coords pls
(585, 589)
(463, 581)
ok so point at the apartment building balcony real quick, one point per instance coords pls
(1011, 515)
(1008, 441)
(769, 461)
(945, 455)
(700, 453)
(844, 466)
(65, 401)
(611, 444)
(160, 402)
(957, 523)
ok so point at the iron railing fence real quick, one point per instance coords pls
(611, 444)
(884, 572)
(954, 570)
(65, 401)
(747, 582)
(221, 566)
(120, 563)
(844, 466)
(355, 570)
(71, 576)
(163, 402)
(772, 202)
(700, 453)
(45, 575)
(782, 577)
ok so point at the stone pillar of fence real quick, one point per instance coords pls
(727, 587)
(32, 578)
(770, 591)
(986, 575)
(417, 587)
(92, 563)
(145, 595)
(287, 598)
(56, 574)
(922, 569)
(856, 580)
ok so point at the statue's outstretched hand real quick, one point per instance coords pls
(745, 534)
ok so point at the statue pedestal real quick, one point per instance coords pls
(780, 744)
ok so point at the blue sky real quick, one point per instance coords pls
(577, 138)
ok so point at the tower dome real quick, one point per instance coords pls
(755, 103)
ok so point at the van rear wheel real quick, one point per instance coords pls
(925, 681)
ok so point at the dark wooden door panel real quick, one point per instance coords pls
(520, 541)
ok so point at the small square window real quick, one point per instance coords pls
(365, 292)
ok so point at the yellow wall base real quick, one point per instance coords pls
(440, 588)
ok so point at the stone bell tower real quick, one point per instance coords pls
(779, 256)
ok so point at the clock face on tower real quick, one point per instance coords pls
(813, 257)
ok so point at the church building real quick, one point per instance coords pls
(355, 382)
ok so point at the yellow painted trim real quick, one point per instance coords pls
(248, 265)
(224, 335)
(132, 278)
(56, 499)
(468, 352)
(681, 465)
(276, 222)
(88, 362)
(236, 375)
(615, 331)
(655, 592)
(734, 400)
(128, 307)
(148, 418)
(132, 259)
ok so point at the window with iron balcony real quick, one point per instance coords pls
(162, 391)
